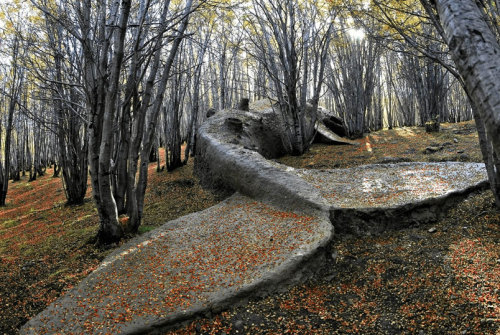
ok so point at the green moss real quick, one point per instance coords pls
(3, 247)
(145, 228)
(59, 272)
(9, 224)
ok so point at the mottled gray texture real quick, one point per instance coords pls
(371, 199)
(393, 185)
(237, 160)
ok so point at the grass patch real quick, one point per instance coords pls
(145, 229)
(59, 272)
(9, 224)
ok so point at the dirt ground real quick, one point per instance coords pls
(440, 278)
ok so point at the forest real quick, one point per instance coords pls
(92, 93)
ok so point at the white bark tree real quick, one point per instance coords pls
(15, 77)
(284, 37)
(476, 53)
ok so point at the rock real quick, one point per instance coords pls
(446, 144)
(465, 130)
(330, 277)
(332, 122)
(335, 124)
(460, 152)
(416, 238)
(246, 166)
(238, 325)
(239, 225)
(330, 129)
(431, 149)
(325, 135)
(234, 124)
(410, 152)
(404, 210)
(455, 140)
(335, 255)
(432, 230)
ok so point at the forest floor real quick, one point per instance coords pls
(46, 247)
(434, 278)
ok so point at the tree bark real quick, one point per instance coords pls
(138, 190)
(4, 182)
(15, 88)
(476, 53)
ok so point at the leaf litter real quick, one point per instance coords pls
(401, 282)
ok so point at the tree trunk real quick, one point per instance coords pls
(148, 138)
(136, 191)
(16, 82)
(476, 53)
(4, 178)
(103, 94)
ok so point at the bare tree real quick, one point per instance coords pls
(103, 60)
(283, 40)
(196, 54)
(16, 81)
(124, 51)
(60, 86)
(352, 78)
(475, 50)
(149, 132)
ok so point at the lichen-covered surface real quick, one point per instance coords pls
(188, 266)
(393, 185)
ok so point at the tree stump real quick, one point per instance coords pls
(210, 112)
(432, 126)
(244, 104)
